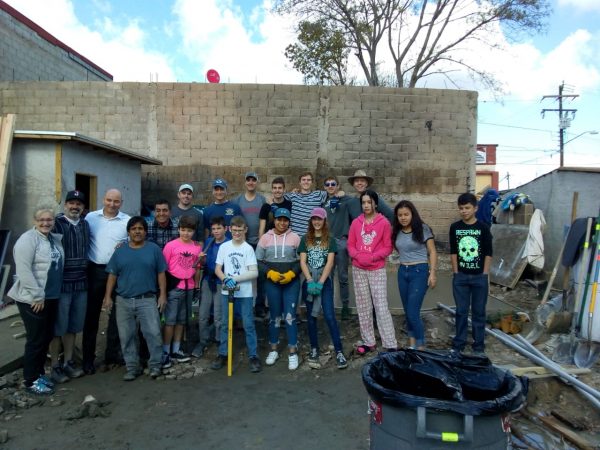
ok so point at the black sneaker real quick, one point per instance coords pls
(165, 361)
(219, 362)
(89, 368)
(255, 366)
(313, 359)
(180, 357)
(58, 375)
(341, 360)
(71, 371)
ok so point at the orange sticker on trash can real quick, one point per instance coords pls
(450, 437)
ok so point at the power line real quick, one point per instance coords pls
(513, 126)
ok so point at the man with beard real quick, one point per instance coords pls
(73, 297)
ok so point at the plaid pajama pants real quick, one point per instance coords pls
(370, 290)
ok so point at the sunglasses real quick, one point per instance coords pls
(330, 184)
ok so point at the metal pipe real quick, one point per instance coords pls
(541, 361)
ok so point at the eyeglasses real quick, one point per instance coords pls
(330, 184)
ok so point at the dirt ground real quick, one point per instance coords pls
(193, 406)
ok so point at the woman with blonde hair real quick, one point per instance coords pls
(39, 259)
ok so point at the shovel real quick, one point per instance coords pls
(565, 350)
(546, 307)
(587, 353)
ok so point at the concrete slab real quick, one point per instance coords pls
(11, 356)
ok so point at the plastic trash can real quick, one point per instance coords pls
(432, 400)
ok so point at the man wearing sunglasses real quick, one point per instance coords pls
(338, 218)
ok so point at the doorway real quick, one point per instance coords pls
(88, 184)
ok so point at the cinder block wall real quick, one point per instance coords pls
(24, 55)
(417, 143)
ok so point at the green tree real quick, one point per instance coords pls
(321, 53)
(424, 37)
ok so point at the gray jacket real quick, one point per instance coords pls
(32, 261)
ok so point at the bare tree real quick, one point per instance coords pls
(424, 37)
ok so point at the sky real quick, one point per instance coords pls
(179, 40)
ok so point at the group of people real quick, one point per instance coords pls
(281, 252)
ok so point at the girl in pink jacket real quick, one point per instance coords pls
(369, 244)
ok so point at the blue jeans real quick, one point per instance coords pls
(247, 319)
(328, 314)
(210, 301)
(282, 303)
(412, 284)
(130, 313)
(341, 267)
(470, 291)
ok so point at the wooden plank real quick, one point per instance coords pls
(58, 171)
(565, 432)
(7, 128)
(538, 370)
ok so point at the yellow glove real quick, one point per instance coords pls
(273, 276)
(287, 277)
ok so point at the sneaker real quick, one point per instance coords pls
(313, 359)
(272, 358)
(345, 312)
(71, 371)
(165, 361)
(455, 353)
(180, 357)
(89, 368)
(46, 381)
(255, 365)
(219, 362)
(39, 388)
(293, 361)
(198, 351)
(155, 373)
(131, 375)
(58, 375)
(341, 360)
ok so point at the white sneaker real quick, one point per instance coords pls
(293, 361)
(272, 357)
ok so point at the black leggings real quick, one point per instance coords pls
(40, 331)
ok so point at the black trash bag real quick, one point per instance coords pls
(434, 379)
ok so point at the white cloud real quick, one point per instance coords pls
(120, 51)
(581, 5)
(214, 36)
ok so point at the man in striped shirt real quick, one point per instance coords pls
(303, 203)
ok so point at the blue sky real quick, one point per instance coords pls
(179, 40)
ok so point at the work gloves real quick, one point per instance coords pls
(314, 288)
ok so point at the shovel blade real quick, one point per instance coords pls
(564, 352)
(587, 354)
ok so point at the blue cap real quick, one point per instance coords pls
(282, 212)
(220, 182)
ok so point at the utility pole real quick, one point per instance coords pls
(564, 117)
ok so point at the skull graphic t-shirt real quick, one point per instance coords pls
(471, 243)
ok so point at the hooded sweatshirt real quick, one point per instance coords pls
(370, 244)
(278, 252)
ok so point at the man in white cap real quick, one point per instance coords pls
(360, 181)
(184, 207)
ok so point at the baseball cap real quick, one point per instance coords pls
(186, 186)
(319, 212)
(75, 195)
(220, 182)
(251, 174)
(282, 212)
